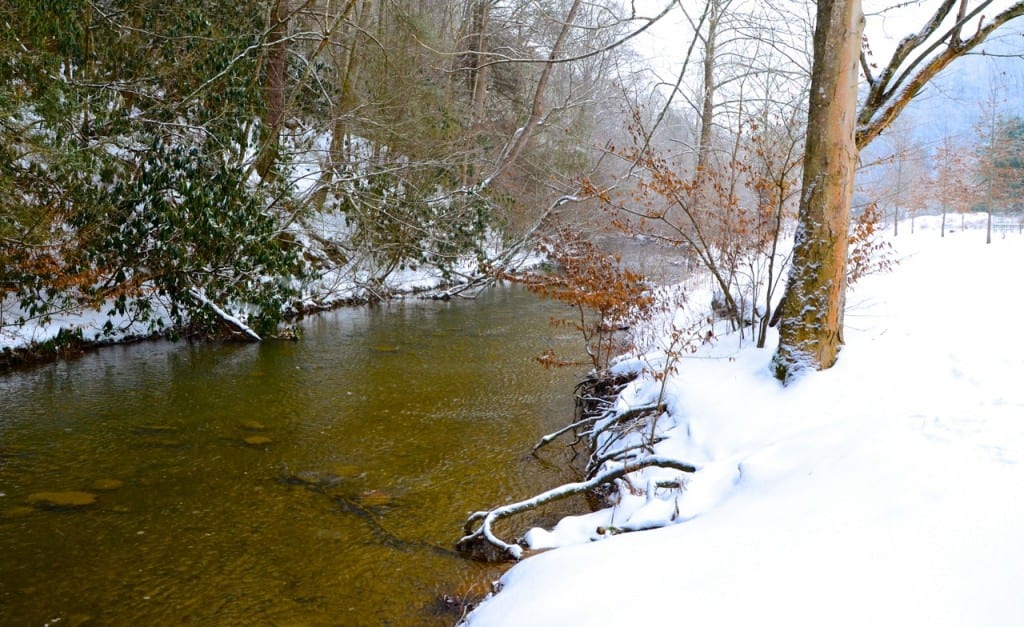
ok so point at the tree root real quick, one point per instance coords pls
(619, 455)
(551, 437)
(482, 544)
(592, 405)
(592, 393)
(595, 416)
(616, 428)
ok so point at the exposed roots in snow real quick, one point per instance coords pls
(613, 429)
(609, 463)
(484, 545)
(593, 404)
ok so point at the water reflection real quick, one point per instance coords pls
(312, 482)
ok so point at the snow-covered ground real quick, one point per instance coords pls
(888, 490)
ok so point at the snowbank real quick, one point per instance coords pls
(884, 491)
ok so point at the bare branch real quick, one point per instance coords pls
(871, 123)
(523, 135)
(505, 550)
(904, 49)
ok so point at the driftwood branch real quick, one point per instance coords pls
(484, 544)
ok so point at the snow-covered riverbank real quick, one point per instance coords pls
(332, 290)
(883, 491)
(27, 339)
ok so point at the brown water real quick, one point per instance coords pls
(406, 417)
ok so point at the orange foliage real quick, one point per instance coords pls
(606, 297)
(727, 217)
(868, 252)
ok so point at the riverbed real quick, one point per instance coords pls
(322, 481)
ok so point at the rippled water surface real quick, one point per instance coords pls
(368, 443)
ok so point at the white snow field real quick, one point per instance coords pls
(888, 490)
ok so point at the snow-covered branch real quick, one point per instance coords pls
(224, 315)
(484, 544)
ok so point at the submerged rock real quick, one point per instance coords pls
(155, 428)
(374, 498)
(345, 470)
(61, 500)
(107, 485)
(314, 479)
(18, 511)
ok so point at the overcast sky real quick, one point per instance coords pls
(887, 22)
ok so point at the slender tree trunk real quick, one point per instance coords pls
(347, 67)
(524, 134)
(481, 23)
(274, 84)
(811, 327)
(990, 194)
(896, 206)
(277, 64)
(707, 112)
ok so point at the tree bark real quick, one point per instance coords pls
(275, 84)
(707, 112)
(481, 23)
(811, 326)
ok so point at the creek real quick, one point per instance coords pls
(322, 481)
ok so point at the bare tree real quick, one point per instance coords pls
(904, 151)
(952, 186)
(811, 330)
(999, 159)
(812, 312)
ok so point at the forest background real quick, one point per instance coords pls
(212, 168)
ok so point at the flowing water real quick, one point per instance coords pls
(313, 482)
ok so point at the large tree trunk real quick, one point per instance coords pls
(811, 328)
